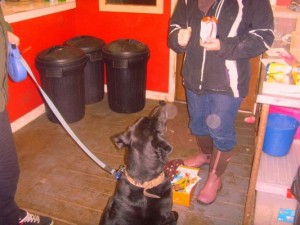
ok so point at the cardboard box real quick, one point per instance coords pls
(273, 209)
(183, 185)
(295, 44)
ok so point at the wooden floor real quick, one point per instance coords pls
(59, 180)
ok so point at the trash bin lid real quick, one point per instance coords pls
(60, 56)
(88, 44)
(125, 49)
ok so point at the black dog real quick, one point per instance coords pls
(143, 195)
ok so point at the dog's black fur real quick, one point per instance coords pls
(147, 155)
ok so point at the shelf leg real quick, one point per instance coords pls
(250, 202)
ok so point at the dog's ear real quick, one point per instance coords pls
(121, 140)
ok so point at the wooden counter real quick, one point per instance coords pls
(27, 9)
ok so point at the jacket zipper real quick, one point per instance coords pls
(219, 6)
(202, 68)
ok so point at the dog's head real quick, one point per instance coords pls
(147, 147)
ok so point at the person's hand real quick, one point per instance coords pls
(211, 44)
(184, 36)
(13, 39)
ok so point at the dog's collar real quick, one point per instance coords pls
(148, 184)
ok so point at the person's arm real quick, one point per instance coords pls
(12, 38)
(7, 25)
(179, 31)
(259, 37)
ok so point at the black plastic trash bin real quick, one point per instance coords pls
(126, 72)
(94, 68)
(61, 69)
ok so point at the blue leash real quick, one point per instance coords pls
(116, 173)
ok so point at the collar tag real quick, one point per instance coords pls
(119, 172)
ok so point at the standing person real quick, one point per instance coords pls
(10, 213)
(216, 73)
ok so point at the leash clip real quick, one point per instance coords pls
(119, 172)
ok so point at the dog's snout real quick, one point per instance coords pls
(171, 111)
(165, 111)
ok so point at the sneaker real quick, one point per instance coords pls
(26, 218)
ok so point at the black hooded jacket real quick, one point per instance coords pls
(245, 30)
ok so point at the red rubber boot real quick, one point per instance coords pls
(213, 184)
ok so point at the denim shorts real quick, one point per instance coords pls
(214, 115)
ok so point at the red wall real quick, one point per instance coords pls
(150, 29)
(36, 35)
(43, 32)
(283, 2)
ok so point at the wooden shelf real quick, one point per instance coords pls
(284, 12)
(276, 174)
(23, 10)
